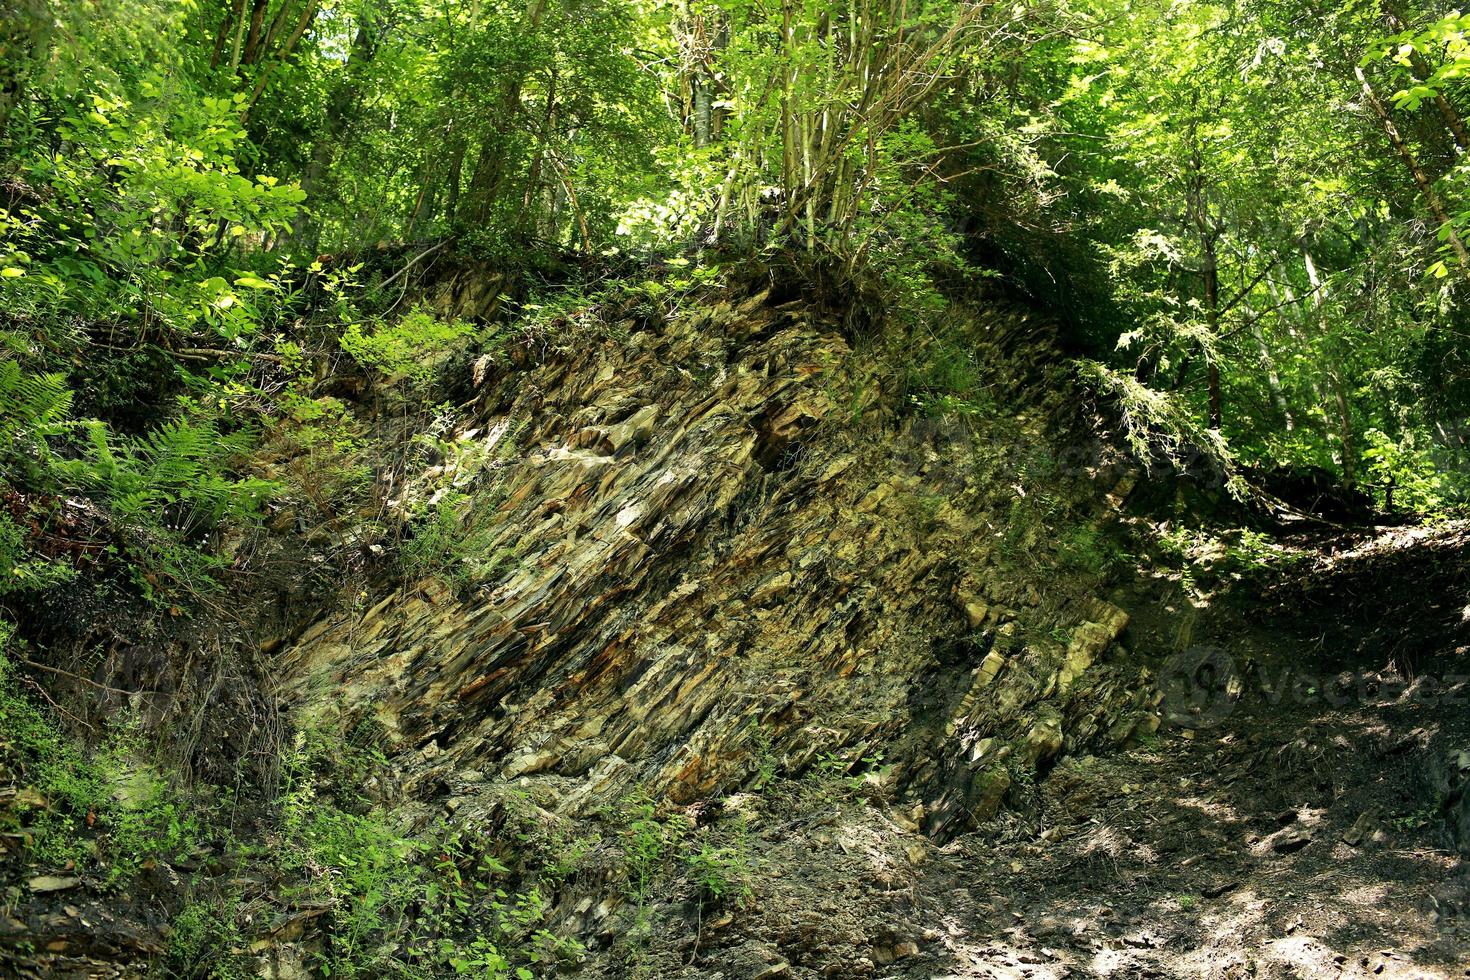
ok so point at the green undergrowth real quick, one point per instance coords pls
(381, 898)
(102, 811)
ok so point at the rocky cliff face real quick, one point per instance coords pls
(704, 557)
(731, 660)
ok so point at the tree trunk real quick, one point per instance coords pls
(257, 26)
(453, 176)
(25, 33)
(1198, 206)
(288, 47)
(226, 31)
(1268, 364)
(1416, 171)
(490, 163)
(339, 106)
(1345, 433)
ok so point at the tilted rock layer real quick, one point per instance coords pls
(714, 545)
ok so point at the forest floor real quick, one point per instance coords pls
(1280, 844)
(1292, 823)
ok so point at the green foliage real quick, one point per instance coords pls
(943, 378)
(34, 408)
(1158, 427)
(177, 470)
(1229, 551)
(21, 569)
(431, 903)
(722, 872)
(406, 351)
(835, 768)
(1406, 474)
(201, 936)
(457, 536)
(104, 811)
(1088, 550)
(648, 842)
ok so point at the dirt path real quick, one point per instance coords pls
(1280, 844)
(1294, 821)
(1296, 825)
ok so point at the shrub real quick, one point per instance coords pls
(406, 352)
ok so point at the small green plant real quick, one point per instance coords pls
(647, 844)
(106, 811)
(828, 765)
(833, 767)
(1087, 550)
(1186, 901)
(765, 758)
(723, 873)
(21, 568)
(201, 936)
(455, 539)
(401, 903)
(407, 352)
(1416, 819)
(943, 378)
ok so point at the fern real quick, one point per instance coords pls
(33, 409)
(174, 477)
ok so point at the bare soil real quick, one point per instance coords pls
(1295, 820)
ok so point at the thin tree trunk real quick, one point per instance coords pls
(453, 176)
(303, 24)
(528, 216)
(257, 26)
(1419, 68)
(339, 107)
(1345, 434)
(1268, 364)
(490, 162)
(226, 29)
(1199, 213)
(1421, 179)
(239, 39)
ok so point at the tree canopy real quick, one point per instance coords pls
(1250, 215)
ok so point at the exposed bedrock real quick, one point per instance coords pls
(709, 556)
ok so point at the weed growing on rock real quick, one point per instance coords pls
(722, 872)
(647, 843)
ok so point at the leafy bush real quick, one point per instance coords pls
(402, 903)
(723, 873)
(1404, 473)
(406, 351)
(201, 938)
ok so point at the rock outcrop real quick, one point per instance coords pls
(704, 556)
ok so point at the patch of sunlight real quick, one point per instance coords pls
(1104, 840)
(1368, 895)
(1114, 962)
(1223, 812)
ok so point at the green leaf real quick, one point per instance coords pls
(249, 281)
